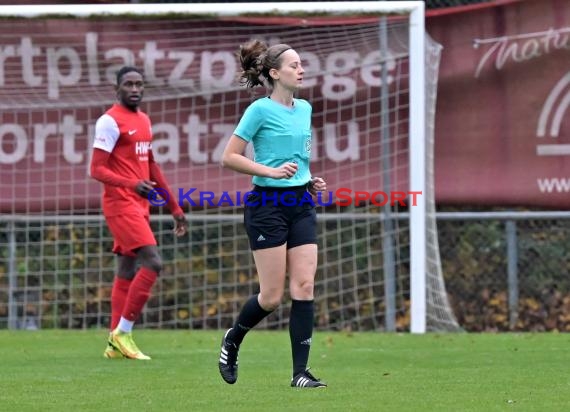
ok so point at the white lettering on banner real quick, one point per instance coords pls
(351, 152)
(60, 67)
(92, 61)
(18, 143)
(19, 140)
(185, 59)
(54, 57)
(167, 141)
(5, 52)
(553, 184)
(66, 131)
(27, 52)
(150, 55)
(522, 47)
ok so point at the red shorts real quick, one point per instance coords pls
(130, 232)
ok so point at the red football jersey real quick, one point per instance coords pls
(127, 136)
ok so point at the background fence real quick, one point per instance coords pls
(504, 271)
(507, 270)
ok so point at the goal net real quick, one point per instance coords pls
(56, 78)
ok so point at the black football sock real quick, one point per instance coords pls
(250, 315)
(301, 322)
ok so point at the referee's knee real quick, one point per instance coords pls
(270, 302)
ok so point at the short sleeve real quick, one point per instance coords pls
(106, 133)
(249, 123)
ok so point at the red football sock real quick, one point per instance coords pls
(118, 298)
(139, 292)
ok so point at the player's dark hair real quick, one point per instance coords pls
(257, 59)
(127, 69)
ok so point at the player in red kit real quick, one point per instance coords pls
(123, 161)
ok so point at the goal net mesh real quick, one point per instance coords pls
(56, 79)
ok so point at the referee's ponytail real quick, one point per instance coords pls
(257, 59)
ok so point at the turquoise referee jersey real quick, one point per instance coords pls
(279, 134)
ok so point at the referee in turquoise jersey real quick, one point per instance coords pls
(279, 217)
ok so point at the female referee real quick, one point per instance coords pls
(280, 222)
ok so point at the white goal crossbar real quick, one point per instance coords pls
(220, 9)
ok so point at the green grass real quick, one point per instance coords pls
(65, 371)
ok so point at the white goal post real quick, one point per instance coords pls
(422, 233)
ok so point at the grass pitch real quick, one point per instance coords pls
(53, 370)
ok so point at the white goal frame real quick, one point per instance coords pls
(417, 148)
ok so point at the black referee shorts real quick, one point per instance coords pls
(275, 216)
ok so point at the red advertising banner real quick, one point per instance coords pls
(58, 79)
(503, 119)
(502, 128)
